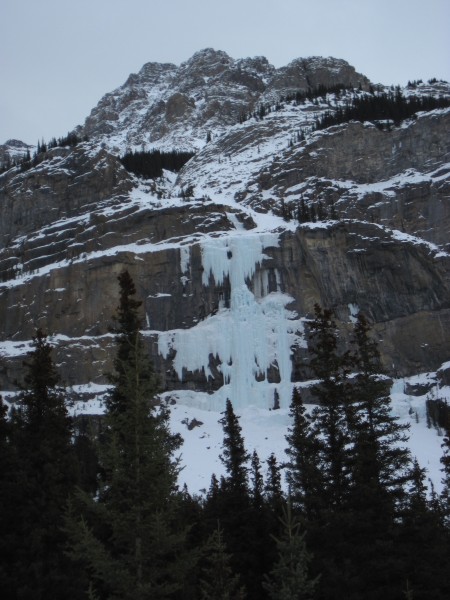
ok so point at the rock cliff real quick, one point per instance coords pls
(229, 276)
(175, 107)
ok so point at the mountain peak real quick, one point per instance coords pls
(169, 106)
(208, 62)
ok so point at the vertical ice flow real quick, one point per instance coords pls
(257, 331)
(185, 258)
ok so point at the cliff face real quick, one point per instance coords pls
(176, 107)
(229, 277)
(396, 178)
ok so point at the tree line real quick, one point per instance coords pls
(94, 509)
(294, 97)
(150, 164)
(383, 109)
(29, 160)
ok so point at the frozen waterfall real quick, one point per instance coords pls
(256, 332)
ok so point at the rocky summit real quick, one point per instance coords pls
(289, 199)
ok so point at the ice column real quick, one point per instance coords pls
(248, 337)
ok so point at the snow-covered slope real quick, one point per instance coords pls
(264, 430)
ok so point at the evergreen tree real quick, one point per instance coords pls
(244, 523)
(303, 212)
(46, 476)
(445, 461)
(274, 501)
(257, 482)
(289, 578)
(388, 510)
(303, 475)
(260, 527)
(382, 465)
(321, 213)
(130, 356)
(9, 494)
(130, 539)
(272, 489)
(422, 533)
(352, 532)
(329, 420)
(217, 581)
(86, 451)
(234, 455)
(234, 487)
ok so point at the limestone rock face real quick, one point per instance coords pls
(178, 107)
(401, 288)
(166, 106)
(396, 178)
(229, 276)
(303, 74)
(52, 205)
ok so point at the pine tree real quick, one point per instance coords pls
(302, 212)
(422, 532)
(260, 548)
(351, 500)
(382, 465)
(234, 486)
(217, 580)
(129, 349)
(244, 523)
(330, 419)
(42, 432)
(10, 491)
(381, 469)
(234, 455)
(445, 461)
(289, 578)
(130, 539)
(272, 489)
(257, 482)
(303, 474)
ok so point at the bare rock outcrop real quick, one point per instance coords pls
(208, 92)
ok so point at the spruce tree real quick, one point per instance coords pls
(42, 432)
(361, 464)
(260, 529)
(257, 482)
(274, 502)
(289, 578)
(303, 474)
(10, 492)
(421, 532)
(234, 455)
(379, 501)
(330, 418)
(234, 486)
(272, 488)
(382, 459)
(445, 495)
(130, 538)
(244, 523)
(217, 580)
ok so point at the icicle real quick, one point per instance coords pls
(185, 258)
(256, 332)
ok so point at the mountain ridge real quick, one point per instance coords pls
(212, 90)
